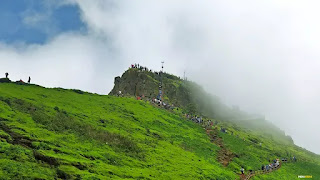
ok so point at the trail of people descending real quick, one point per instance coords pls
(224, 155)
(265, 169)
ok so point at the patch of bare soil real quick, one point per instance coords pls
(224, 155)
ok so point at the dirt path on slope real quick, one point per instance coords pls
(224, 155)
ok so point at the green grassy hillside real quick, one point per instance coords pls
(57, 133)
(250, 154)
(70, 134)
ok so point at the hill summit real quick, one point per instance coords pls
(141, 82)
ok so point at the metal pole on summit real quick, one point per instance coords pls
(162, 65)
(160, 86)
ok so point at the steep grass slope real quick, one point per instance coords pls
(69, 134)
(254, 147)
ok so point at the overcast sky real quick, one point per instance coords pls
(260, 55)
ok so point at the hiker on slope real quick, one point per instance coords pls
(29, 80)
(7, 74)
(267, 167)
(242, 170)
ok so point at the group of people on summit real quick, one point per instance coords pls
(7, 77)
(141, 68)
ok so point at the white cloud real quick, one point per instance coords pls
(69, 61)
(261, 55)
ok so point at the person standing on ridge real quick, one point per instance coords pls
(29, 80)
(7, 74)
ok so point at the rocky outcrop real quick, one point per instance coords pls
(136, 83)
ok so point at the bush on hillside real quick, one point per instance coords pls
(5, 80)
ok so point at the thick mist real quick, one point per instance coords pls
(261, 56)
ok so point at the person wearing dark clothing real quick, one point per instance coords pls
(7, 74)
(242, 171)
(29, 80)
(262, 167)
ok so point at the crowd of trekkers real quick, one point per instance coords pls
(145, 69)
(273, 165)
(163, 104)
(141, 68)
(20, 81)
(154, 101)
(197, 119)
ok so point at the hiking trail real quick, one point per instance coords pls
(224, 155)
(259, 172)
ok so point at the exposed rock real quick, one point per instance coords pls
(180, 93)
